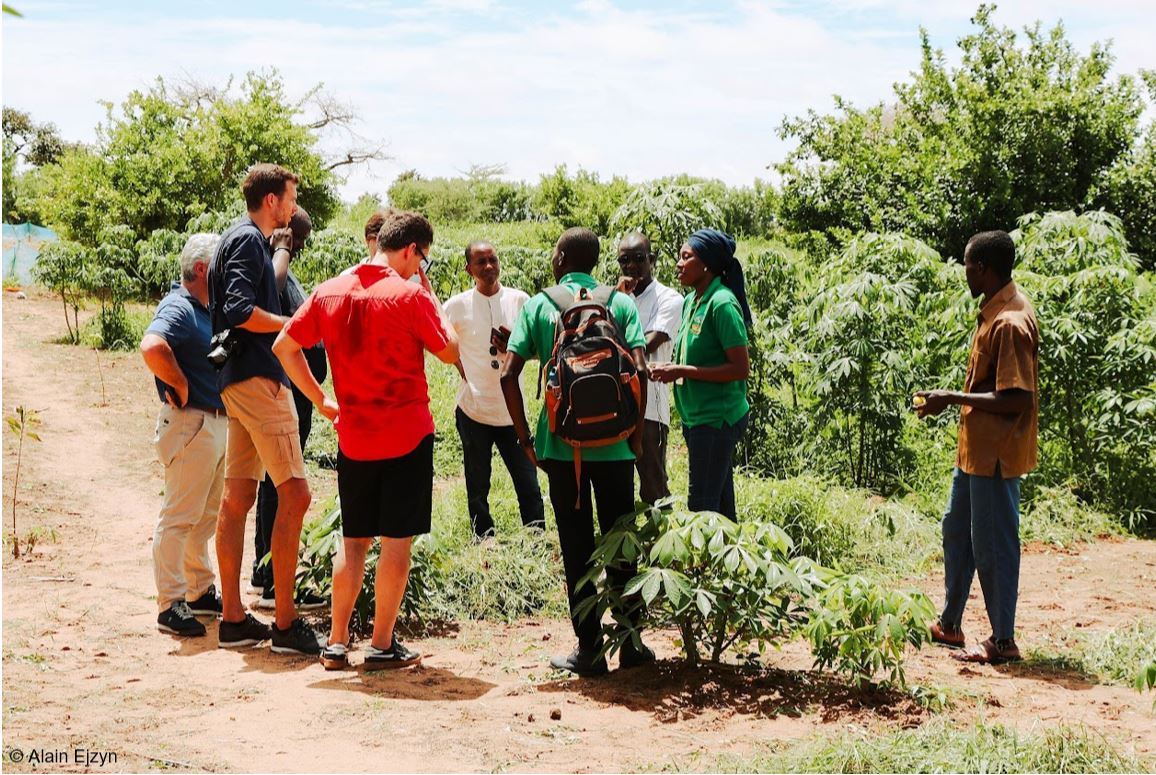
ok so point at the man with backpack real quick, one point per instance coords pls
(591, 347)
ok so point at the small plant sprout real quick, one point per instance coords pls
(21, 422)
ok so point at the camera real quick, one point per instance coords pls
(222, 347)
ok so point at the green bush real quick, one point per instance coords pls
(1098, 358)
(721, 583)
(861, 630)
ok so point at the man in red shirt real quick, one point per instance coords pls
(376, 327)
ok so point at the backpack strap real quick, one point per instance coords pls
(561, 297)
(603, 294)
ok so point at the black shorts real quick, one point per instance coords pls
(391, 497)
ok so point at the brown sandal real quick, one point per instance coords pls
(952, 637)
(993, 652)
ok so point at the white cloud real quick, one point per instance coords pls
(641, 93)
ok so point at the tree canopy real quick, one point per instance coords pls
(1014, 128)
(171, 153)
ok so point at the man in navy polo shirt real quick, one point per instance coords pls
(190, 443)
(263, 424)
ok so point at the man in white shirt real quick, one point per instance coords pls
(482, 317)
(659, 312)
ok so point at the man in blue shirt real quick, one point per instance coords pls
(190, 443)
(293, 295)
(263, 426)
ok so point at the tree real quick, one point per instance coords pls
(30, 143)
(1128, 189)
(1013, 129)
(173, 152)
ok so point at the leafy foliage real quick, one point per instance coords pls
(1098, 359)
(150, 167)
(1016, 127)
(720, 582)
(862, 630)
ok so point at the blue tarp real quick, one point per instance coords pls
(22, 243)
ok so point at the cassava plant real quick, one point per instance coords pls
(861, 630)
(721, 583)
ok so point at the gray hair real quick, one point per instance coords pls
(200, 248)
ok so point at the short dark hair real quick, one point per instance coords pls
(470, 248)
(301, 224)
(265, 179)
(401, 228)
(373, 225)
(995, 250)
(580, 248)
(638, 236)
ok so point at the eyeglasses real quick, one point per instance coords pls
(426, 261)
(494, 364)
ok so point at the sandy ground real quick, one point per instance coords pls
(84, 667)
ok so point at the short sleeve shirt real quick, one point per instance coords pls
(710, 326)
(473, 315)
(1004, 355)
(240, 279)
(533, 337)
(376, 328)
(659, 309)
(183, 322)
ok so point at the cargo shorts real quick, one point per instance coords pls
(263, 432)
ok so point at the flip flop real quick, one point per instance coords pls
(945, 637)
(989, 653)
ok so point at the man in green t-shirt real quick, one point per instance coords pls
(608, 470)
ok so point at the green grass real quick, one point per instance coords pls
(1105, 656)
(938, 746)
(1056, 516)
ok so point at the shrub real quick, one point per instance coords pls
(1098, 357)
(861, 630)
(326, 254)
(719, 582)
(60, 268)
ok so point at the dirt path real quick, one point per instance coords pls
(85, 667)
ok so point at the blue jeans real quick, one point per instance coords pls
(981, 535)
(712, 476)
(478, 442)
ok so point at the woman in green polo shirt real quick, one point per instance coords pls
(711, 367)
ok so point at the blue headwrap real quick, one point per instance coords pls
(716, 249)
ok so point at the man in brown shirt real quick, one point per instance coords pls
(997, 445)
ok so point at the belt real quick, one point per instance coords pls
(207, 410)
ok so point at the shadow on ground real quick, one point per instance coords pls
(674, 691)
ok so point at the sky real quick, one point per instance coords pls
(639, 89)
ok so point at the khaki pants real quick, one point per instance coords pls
(190, 444)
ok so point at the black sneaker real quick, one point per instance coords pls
(179, 620)
(629, 656)
(580, 661)
(397, 655)
(335, 657)
(300, 638)
(247, 632)
(262, 577)
(208, 604)
(306, 601)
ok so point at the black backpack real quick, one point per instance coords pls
(593, 392)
